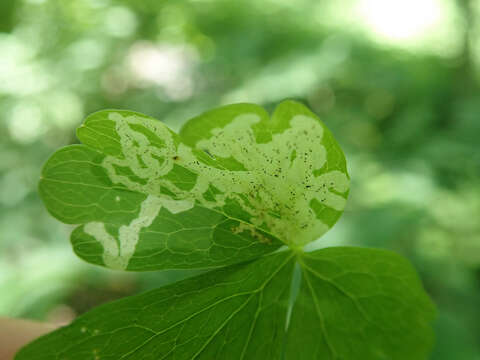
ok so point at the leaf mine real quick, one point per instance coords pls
(278, 180)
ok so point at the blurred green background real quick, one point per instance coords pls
(396, 81)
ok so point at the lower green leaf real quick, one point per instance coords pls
(357, 303)
(353, 304)
(236, 312)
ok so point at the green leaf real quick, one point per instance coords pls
(234, 186)
(359, 303)
(237, 312)
(353, 304)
